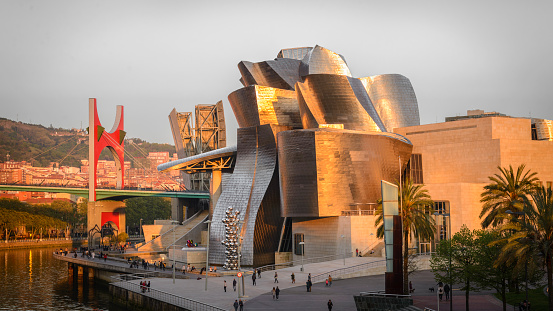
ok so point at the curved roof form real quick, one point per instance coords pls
(320, 60)
(194, 163)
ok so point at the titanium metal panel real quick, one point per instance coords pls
(251, 189)
(257, 105)
(394, 99)
(322, 61)
(325, 171)
(294, 53)
(330, 99)
(280, 73)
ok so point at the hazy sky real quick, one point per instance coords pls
(153, 56)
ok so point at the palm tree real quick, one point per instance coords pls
(415, 204)
(533, 234)
(505, 192)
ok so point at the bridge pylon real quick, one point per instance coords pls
(101, 212)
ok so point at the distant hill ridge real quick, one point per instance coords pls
(42, 145)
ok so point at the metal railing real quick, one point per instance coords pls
(186, 303)
(348, 270)
(305, 261)
(42, 240)
(383, 294)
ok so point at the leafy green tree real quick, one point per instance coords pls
(148, 209)
(122, 237)
(533, 235)
(464, 252)
(505, 192)
(416, 220)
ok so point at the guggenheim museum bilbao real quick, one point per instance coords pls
(313, 144)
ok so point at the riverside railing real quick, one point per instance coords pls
(186, 303)
(42, 240)
(337, 273)
(305, 261)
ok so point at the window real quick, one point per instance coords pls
(298, 248)
(548, 184)
(414, 168)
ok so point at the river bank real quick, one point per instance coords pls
(27, 244)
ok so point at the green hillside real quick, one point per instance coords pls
(42, 145)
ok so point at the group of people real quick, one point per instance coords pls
(443, 289)
(328, 281)
(145, 286)
(238, 303)
(276, 292)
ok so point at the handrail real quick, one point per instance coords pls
(186, 303)
(380, 293)
(347, 270)
(199, 223)
(305, 261)
(371, 246)
(174, 227)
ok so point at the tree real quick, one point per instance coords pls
(148, 209)
(415, 204)
(464, 252)
(532, 236)
(505, 192)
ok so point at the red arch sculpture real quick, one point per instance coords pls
(99, 139)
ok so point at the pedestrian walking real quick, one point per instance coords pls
(329, 305)
(277, 292)
(329, 281)
(309, 277)
(447, 289)
(235, 305)
(258, 273)
(356, 252)
(225, 285)
(241, 304)
(274, 293)
(276, 277)
(234, 284)
(293, 277)
(253, 278)
(440, 292)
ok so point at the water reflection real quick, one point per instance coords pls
(33, 280)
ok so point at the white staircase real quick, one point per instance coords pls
(165, 240)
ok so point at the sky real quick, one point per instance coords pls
(153, 56)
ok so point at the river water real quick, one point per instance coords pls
(31, 279)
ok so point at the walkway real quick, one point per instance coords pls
(295, 296)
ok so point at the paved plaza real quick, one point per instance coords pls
(296, 297)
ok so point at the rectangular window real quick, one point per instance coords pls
(442, 223)
(299, 248)
(414, 168)
(548, 184)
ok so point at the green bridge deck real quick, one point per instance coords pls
(110, 194)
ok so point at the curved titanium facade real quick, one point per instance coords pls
(252, 189)
(257, 105)
(331, 99)
(394, 99)
(322, 61)
(294, 53)
(282, 73)
(325, 171)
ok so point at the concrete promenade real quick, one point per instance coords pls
(295, 296)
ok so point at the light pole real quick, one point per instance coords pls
(302, 243)
(174, 241)
(140, 229)
(208, 222)
(240, 223)
(526, 260)
(449, 269)
(344, 243)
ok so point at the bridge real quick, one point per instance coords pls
(110, 194)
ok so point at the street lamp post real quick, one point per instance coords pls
(526, 260)
(344, 243)
(240, 223)
(174, 241)
(449, 268)
(140, 229)
(208, 222)
(302, 243)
